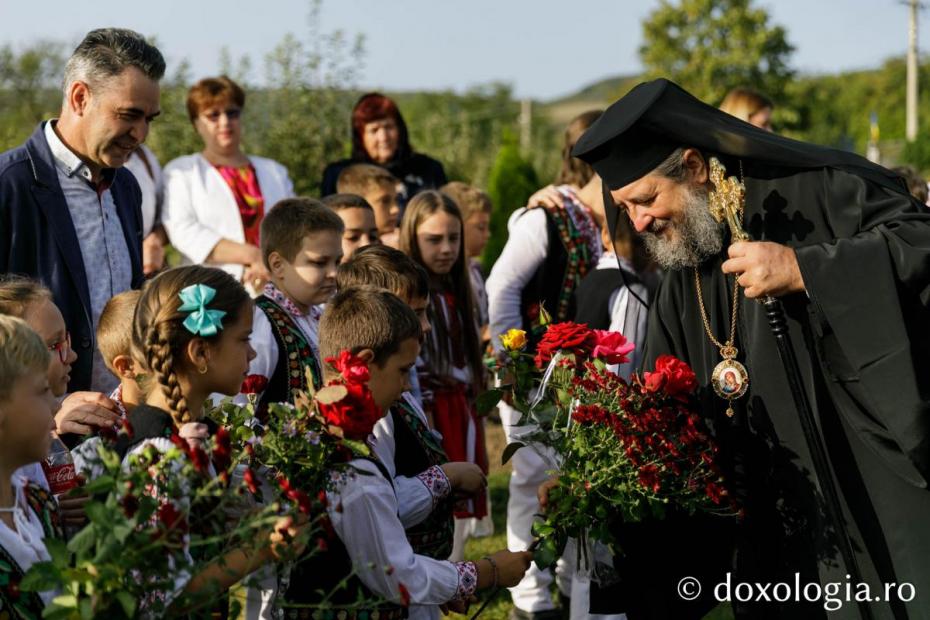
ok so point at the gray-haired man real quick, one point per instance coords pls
(69, 216)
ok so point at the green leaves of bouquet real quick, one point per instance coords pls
(153, 517)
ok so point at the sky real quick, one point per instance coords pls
(543, 48)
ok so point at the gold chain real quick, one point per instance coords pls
(727, 350)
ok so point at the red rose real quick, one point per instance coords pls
(404, 595)
(568, 336)
(12, 589)
(303, 501)
(107, 433)
(714, 492)
(352, 368)
(125, 428)
(171, 519)
(130, 504)
(222, 451)
(611, 347)
(356, 414)
(254, 384)
(649, 478)
(672, 375)
(250, 481)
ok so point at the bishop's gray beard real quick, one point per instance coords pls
(699, 235)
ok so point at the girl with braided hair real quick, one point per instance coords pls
(191, 333)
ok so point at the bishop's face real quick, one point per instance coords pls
(673, 218)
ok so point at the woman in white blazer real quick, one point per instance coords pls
(215, 200)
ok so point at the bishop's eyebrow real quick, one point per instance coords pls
(643, 197)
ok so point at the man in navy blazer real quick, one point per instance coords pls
(69, 214)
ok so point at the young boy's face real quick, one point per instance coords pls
(419, 305)
(46, 320)
(361, 229)
(309, 279)
(477, 233)
(27, 419)
(390, 380)
(383, 199)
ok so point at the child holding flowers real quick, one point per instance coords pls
(372, 339)
(425, 481)
(191, 331)
(27, 511)
(451, 373)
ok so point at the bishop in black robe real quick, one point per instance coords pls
(861, 333)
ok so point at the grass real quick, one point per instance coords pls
(498, 480)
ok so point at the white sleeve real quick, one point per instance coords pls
(417, 496)
(526, 249)
(185, 231)
(383, 445)
(266, 351)
(33, 473)
(159, 179)
(636, 333)
(288, 185)
(377, 544)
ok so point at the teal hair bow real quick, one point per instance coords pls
(202, 321)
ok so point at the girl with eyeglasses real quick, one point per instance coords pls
(80, 413)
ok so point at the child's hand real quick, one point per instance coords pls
(286, 540)
(196, 434)
(511, 566)
(458, 607)
(71, 506)
(467, 478)
(542, 493)
(81, 413)
(548, 196)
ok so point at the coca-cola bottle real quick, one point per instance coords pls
(59, 467)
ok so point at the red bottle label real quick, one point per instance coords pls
(61, 478)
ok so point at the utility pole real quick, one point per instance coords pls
(526, 125)
(911, 128)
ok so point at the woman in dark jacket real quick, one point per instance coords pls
(379, 136)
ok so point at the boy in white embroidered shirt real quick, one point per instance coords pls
(384, 332)
(426, 483)
(301, 242)
(26, 424)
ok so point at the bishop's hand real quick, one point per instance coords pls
(764, 268)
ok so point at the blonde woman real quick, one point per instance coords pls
(750, 106)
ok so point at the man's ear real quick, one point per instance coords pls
(696, 165)
(276, 264)
(124, 367)
(78, 98)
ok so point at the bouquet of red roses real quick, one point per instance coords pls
(623, 450)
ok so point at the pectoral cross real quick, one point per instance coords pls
(727, 199)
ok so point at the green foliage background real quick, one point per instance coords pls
(301, 94)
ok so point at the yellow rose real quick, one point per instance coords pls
(514, 339)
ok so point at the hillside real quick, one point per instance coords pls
(597, 95)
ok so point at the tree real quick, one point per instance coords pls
(30, 88)
(511, 182)
(711, 46)
(304, 121)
